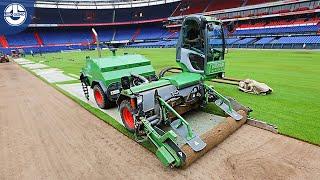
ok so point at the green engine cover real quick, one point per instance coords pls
(184, 79)
(110, 69)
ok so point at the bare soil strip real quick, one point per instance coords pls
(45, 135)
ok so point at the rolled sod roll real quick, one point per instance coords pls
(213, 137)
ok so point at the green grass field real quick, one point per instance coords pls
(294, 106)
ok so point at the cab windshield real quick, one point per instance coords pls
(216, 41)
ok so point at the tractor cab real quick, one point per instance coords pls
(201, 46)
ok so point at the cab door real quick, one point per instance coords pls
(191, 48)
(215, 47)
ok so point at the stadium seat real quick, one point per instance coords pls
(265, 40)
(124, 33)
(22, 39)
(64, 36)
(245, 41)
(298, 40)
(151, 33)
(278, 30)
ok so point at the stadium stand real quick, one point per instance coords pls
(146, 13)
(260, 25)
(65, 36)
(298, 40)
(280, 26)
(222, 4)
(105, 34)
(265, 40)
(280, 30)
(22, 39)
(90, 16)
(151, 32)
(163, 44)
(191, 7)
(245, 41)
(231, 40)
(124, 33)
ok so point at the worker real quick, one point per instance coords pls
(194, 39)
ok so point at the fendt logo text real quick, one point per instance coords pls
(15, 14)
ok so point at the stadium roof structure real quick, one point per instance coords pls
(98, 4)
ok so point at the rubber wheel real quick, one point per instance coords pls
(101, 98)
(127, 116)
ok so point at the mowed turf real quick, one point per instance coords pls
(294, 106)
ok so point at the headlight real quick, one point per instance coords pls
(139, 100)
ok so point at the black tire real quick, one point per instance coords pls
(101, 98)
(126, 110)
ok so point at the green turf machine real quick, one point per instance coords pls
(171, 110)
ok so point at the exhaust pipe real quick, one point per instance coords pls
(97, 41)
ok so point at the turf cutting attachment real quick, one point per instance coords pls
(194, 141)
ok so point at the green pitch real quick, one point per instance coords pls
(294, 106)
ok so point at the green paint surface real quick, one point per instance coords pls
(184, 79)
(151, 85)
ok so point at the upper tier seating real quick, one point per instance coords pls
(301, 21)
(253, 2)
(89, 16)
(145, 13)
(191, 7)
(223, 4)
